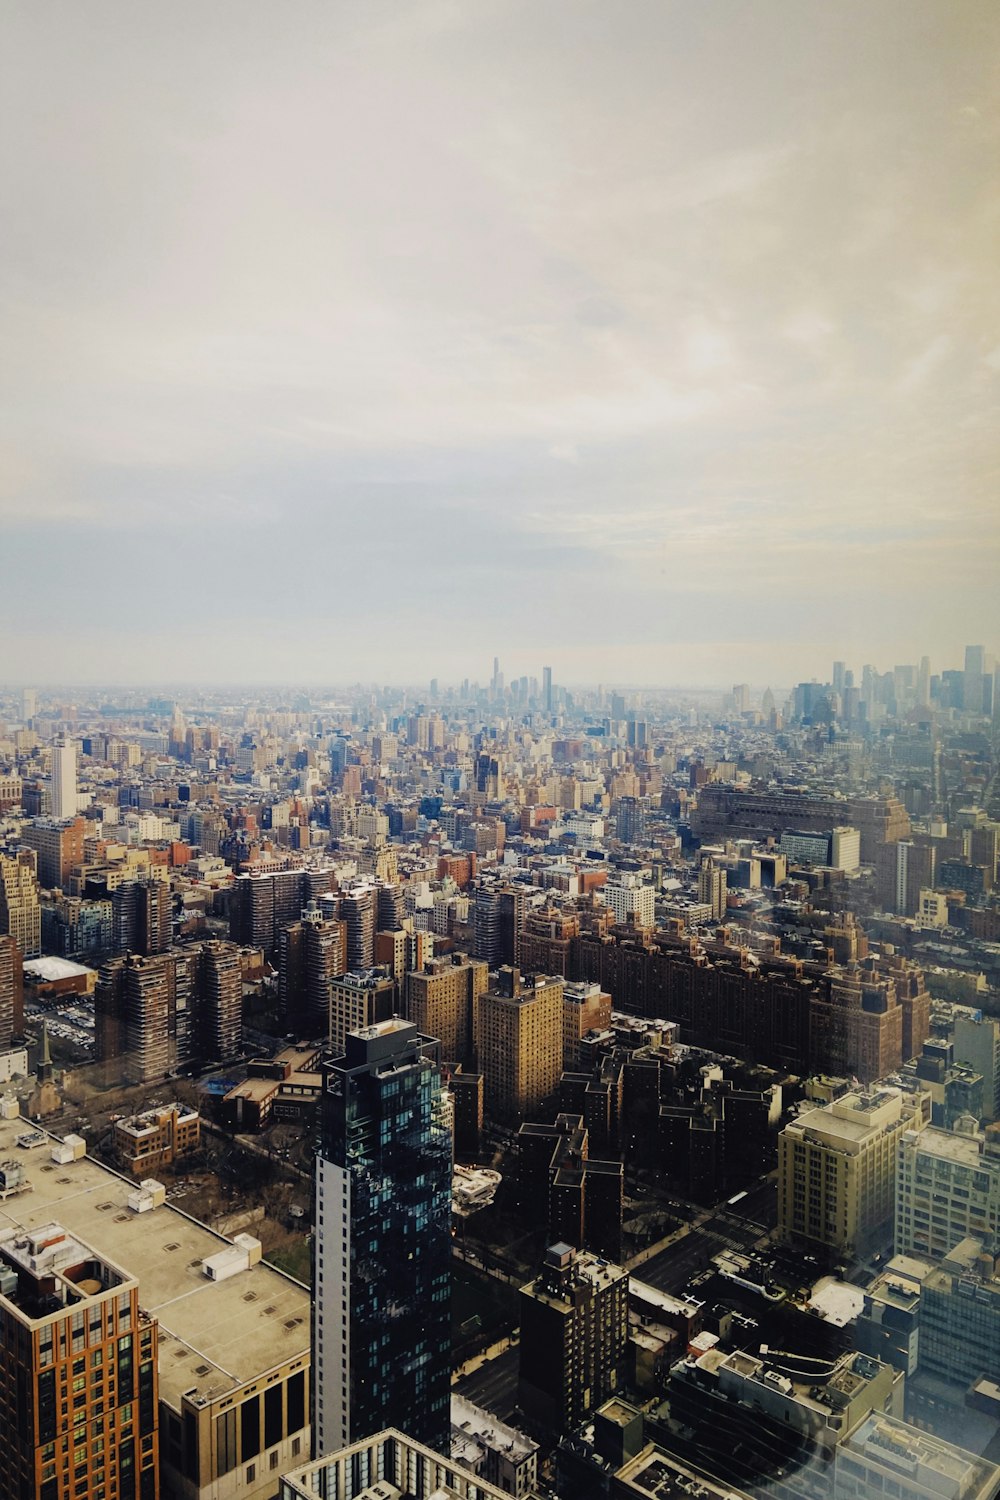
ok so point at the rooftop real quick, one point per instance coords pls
(214, 1335)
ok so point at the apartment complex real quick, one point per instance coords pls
(20, 909)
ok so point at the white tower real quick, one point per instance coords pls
(63, 783)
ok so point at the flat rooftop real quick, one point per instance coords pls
(214, 1335)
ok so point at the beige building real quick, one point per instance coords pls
(233, 1361)
(837, 1170)
(442, 1000)
(586, 1007)
(520, 1043)
(20, 911)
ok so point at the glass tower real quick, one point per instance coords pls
(382, 1237)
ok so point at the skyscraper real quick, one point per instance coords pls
(972, 686)
(20, 910)
(382, 1234)
(547, 689)
(62, 798)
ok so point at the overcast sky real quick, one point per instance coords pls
(658, 341)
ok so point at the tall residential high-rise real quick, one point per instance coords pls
(62, 786)
(574, 1337)
(442, 1000)
(358, 908)
(520, 1043)
(143, 1014)
(141, 917)
(219, 1000)
(382, 1236)
(11, 991)
(78, 1382)
(20, 909)
(499, 919)
(311, 953)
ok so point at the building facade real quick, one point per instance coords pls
(382, 1235)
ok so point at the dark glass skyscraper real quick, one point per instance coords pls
(382, 1234)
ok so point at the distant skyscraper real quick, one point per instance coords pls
(547, 689)
(62, 795)
(924, 682)
(29, 704)
(382, 1234)
(839, 671)
(975, 665)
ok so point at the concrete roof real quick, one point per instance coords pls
(214, 1336)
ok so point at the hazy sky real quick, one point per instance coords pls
(658, 341)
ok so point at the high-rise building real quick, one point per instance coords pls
(972, 682)
(143, 1013)
(520, 1043)
(29, 704)
(141, 913)
(62, 793)
(586, 1007)
(311, 953)
(837, 1170)
(358, 907)
(498, 922)
(547, 689)
(219, 1001)
(712, 887)
(630, 820)
(11, 991)
(948, 1189)
(382, 1235)
(78, 1381)
(442, 1000)
(574, 1336)
(20, 909)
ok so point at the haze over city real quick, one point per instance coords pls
(367, 342)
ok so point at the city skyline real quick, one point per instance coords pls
(670, 339)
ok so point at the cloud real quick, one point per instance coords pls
(501, 290)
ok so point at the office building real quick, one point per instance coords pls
(729, 812)
(382, 1234)
(76, 1339)
(960, 1317)
(20, 908)
(520, 1044)
(837, 1170)
(574, 1337)
(59, 846)
(973, 679)
(62, 786)
(631, 899)
(948, 1189)
(977, 1046)
(442, 1000)
(884, 1455)
(233, 1354)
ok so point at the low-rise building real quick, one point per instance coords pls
(145, 1143)
(886, 1456)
